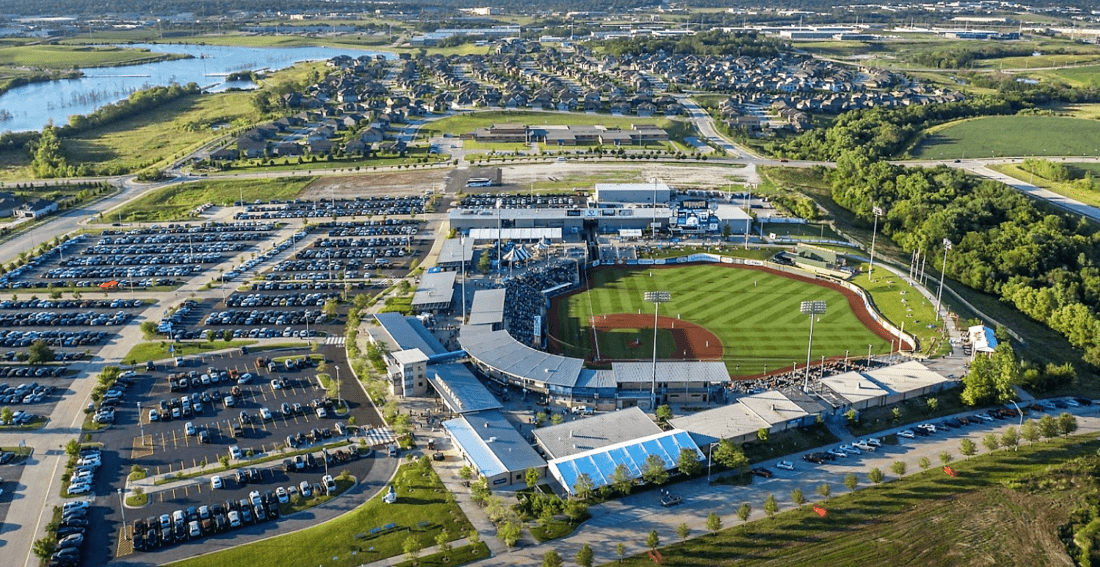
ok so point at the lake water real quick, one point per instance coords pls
(32, 106)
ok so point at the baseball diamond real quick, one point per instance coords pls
(746, 316)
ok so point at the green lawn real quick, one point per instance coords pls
(468, 122)
(754, 313)
(1074, 190)
(789, 442)
(421, 499)
(175, 203)
(620, 344)
(66, 56)
(986, 137)
(902, 305)
(1000, 509)
(143, 352)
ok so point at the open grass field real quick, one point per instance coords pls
(1076, 191)
(468, 122)
(174, 203)
(754, 313)
(1003, 508)
(421, 498)
(1012, 136)
(68, 56)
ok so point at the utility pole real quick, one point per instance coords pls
(656, 298)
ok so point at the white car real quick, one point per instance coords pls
(851, 450)
(235, 452)
(77, 505)
(873, 441)
(189, 428)
(785, 465)
(265, 414)
(234, 518)
(329, 483)
(79, 488)
(837, 453)
(216, 482)
(321, 412)
(304, 488)
(907, 434)
(275, 384)
(282, 495)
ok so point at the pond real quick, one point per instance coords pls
(30, 107)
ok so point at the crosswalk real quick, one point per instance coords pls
(379, 436)
(334, 340)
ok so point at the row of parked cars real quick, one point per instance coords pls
(71, 304)
(196, 522)
(70, 533)
(184, 247)
(54, 338)
(257, 317)
(278, 300)
(352, 253)
(83, 475)
(32, 393)
(103, 273)
(64, 319)
(372, 228)
(33, 371)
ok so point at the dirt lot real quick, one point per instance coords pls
(688, 175)
(384, 183)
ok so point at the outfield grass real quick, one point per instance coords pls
(927, 518)
(144, 352)
(67, 56)
(754, 313)
(421, 497)
(174, 203)
(617, 343)
(902, 305)
(985, 137)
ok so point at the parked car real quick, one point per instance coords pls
(785, 465)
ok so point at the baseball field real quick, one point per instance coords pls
(748, 318)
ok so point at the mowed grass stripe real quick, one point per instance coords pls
(755, 314)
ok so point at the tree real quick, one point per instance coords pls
(1030, 431)
(654, 471)
(851, 481)
(72, 448)
(557, 419)
(509, 532)
(443, 542)
(466, 472)
(744, 511)
(967, 447)
(875, 475)
(575, 509)
(483, 262)
(39, 353)
(621, 550)
(6, 415)
(851, 415)
(45, 547)
(412, 547)
(663, 413)
(946, 458)
(688, 462)
(552, 559)
(896, 414)
(532, 477)
(933, 404)
(683, 530)
(1010, 438)
(1067, 423)
(990, 378)
(991, 442)
(1048, 427)
(825, 490)
(770, 505)
(330, 308)
(652, 540)
(924, 463)
(584, 556)
(797, 497)
(473, 536)
(148, 329)
(714, 522)
(584, 486)
(620, 479)
(762, 435)
(730, 456)
(899, 468)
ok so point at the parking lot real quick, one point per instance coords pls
(324, 208)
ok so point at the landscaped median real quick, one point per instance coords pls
(250, 462)
(423, 509)
(1001, 508)
(158, 350)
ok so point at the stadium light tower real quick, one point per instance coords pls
(877, 211)
(656, 298)
(813, 309)
(943, 274)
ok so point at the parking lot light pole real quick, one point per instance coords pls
(656, 298)
(877, 211)
(338, 401)
(141, 424)
(122, 506)
(813, 309)
(943, 275)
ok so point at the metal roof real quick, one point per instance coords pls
(461, 391)
(492, 444)
(456, 250)
(600, 464)
(498, 350)
(409, 356)
(407, 333)
(726, 422)
(773, 407)
(596, 379)
(481, 234)
(671, 371)
(434, 288)
(594, 432)
(487, 307)
(905, 377)
(853, 386)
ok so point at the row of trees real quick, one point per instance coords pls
(1043, 263)
(710, 43)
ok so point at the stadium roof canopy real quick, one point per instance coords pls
(599, 464)
(595, 432)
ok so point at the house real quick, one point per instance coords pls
(8, 204)
(320, 147)
(224, 154)
(252, 147)
(287, 149)
(36, 208)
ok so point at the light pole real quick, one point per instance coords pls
(943, 274)
(709, 453)
(656, 298)
(462, 260)
(500, 236)
(122, 507)
(877, 211)
(141, 424)
(338, 401)
(813, 309)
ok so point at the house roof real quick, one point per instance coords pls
(773, 407)
(905, 377)
(461, 391)
(488, 307)
(492, 444)
(594, 432)
(456, 250)
(853, 387)
(410, 356)
(434, 288)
